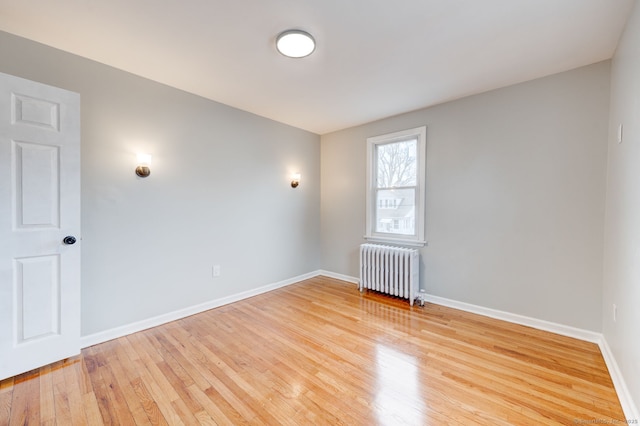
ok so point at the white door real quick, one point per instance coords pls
(39, 207)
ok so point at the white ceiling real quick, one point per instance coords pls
(374, 59)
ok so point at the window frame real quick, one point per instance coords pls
(418, 239)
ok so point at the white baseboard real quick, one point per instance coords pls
(564, 330)
(340, 277)
(114, 333)
(628, 406)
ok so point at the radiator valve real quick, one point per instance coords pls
(421, 297)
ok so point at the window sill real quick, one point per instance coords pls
(397, 241)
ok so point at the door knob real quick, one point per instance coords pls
(70, 239)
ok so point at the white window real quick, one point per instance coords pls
(396, 187)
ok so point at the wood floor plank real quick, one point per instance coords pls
(61, 394)
(220, 414)
(158, 392)
(320, 352)
(124, 377)
(91, 409)
(47, 396)
(6, 396)
(184, 413)
(74, 389)
(5, 407)
(92, 360)
(147, 402)
(25, 404)
(116, 394)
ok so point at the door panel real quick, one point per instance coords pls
(39, 206)
(37, 297)
(35, 112)
(36, 178)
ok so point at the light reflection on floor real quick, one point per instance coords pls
(399, 398)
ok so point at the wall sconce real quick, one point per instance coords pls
(295, 180)
(144, 161)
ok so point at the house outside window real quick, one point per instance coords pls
(396, 187)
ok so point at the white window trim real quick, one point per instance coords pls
(419, 239)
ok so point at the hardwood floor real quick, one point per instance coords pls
(319, 352)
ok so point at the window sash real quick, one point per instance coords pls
(407, 173)
(387, 214)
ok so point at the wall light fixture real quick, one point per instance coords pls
(295, 180)
(144, 161)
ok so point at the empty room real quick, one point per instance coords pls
(318, 213)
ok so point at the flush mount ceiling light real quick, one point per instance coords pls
(295, 43)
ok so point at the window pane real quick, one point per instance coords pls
(396, 211)
(396, 164)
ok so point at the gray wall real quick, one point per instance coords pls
(515, 196)
(218, 192)
(622, 230)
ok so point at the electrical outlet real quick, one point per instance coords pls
(615, 312)
(216, 270)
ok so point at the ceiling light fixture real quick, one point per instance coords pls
(295, 43)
